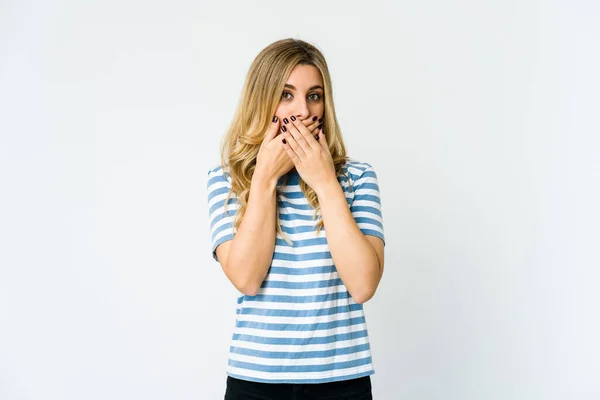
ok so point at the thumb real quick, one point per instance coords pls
(273, 129)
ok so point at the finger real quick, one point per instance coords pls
(290, 140)
(284, 129)
(321, 139)
(315, 124)
(290, 152)
(308, 121)
(311, 122)
(314, 127)
(272, 131)
(290, 127)
(301, 134)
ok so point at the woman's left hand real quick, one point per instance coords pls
(310, 156)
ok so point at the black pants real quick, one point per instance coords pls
(353, 389)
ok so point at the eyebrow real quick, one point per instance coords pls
(287, 85)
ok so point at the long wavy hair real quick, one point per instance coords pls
(260, 97)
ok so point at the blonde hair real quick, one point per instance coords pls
(258, 102)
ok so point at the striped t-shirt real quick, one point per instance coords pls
(302, 326)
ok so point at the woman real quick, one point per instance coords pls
(297, 228)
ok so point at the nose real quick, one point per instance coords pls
(302, 111)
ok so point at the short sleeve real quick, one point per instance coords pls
(221, 220)
(366, 204)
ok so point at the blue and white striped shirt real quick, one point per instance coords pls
(302, 326)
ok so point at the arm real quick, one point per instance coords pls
(246, 258)
(251, 250)
(359, 258)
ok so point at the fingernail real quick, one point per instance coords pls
(320, 119)
(285, 121)
(320, 125)
(293, 118)
(317, 136)
(283, 128)
(284, 142)
(315, 118)
(275, 118)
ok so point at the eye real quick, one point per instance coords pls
(284, 94)
(316, 98)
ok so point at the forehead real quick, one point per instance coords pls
(305, 76)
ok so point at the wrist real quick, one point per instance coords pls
(263, 183)
(328, 189)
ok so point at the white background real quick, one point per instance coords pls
(480, 118)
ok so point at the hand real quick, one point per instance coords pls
(310, 156)
(272, 162)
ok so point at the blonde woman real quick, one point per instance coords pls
(297, 228)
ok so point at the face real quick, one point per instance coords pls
(302, 95)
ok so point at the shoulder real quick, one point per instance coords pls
(217, 174)
(355, 169)
(216, 170)
(218, 182)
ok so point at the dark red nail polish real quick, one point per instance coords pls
(275, 118)
(315, 118)
(321, 119)
(293, 118)
(317, 136)
(285, 121)
(284, 142)
(283, 128)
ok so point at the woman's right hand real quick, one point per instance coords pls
(272, 161)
